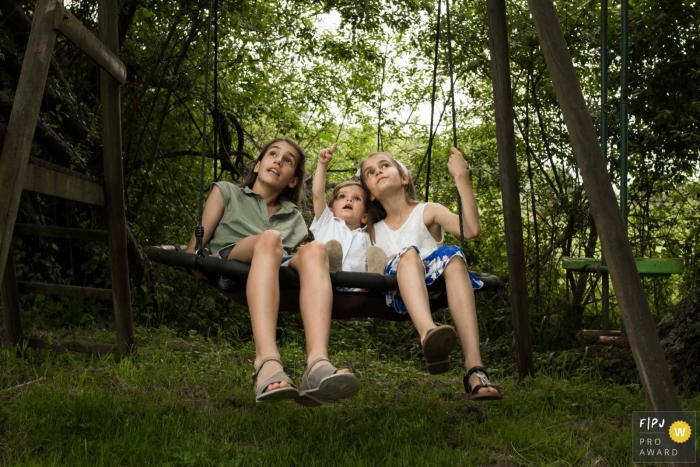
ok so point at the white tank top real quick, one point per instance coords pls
(413, 232)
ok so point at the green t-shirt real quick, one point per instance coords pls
(246, 215)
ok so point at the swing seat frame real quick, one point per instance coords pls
(369, 303)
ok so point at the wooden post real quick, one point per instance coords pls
(644, 341)
(114, 180)
(10, 303)
(23, 120)
(510, 186)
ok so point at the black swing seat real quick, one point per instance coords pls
(346, 305)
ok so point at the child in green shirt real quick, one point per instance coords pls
(255, 224)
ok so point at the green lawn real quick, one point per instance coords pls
(189, 402)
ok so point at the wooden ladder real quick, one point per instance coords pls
(20, 172)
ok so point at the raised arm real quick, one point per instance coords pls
(319, 186)
(213, 212)
(470, 211)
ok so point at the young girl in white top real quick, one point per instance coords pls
(342, 222)
(412, 234)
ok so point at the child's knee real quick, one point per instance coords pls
(410, 258)
(455, 265)
(313, 252)
(270, 241)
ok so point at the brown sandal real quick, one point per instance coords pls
(437, 345)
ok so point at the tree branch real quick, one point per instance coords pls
(19, 22)
(71, 123)
(543, 133)
(47, 137)
(151, 76)
(156, 139)
(222, 157)
(529, 149)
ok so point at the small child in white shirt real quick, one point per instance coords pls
(341, 223)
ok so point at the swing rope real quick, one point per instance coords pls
(199, 230)
(432, 103)
(452, 100)
(454, 116)
(217, 116)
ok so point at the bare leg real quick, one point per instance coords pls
(411, 278)
(460, 299)
(264, 253)
(315, 299)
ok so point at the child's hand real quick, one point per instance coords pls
(325, 156)
(457, 165)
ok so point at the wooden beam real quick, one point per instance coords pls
(63, 185)
(23, 119)
(64, 170)
(510, 186)
(10, 303)
(648, 355)
(81, 347)
(70, 290)
(110, 114)
(86, 41)
(60, 232)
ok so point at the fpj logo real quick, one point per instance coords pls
(664, 437)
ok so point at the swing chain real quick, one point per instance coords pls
(199, 235)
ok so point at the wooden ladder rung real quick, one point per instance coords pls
(70, 290)
(77, 33)
(82, 347)
(60, 232)
(54, 180)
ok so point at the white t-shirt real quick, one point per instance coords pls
(355, 243)
(413, 232)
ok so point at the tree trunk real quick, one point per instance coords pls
(573, 316)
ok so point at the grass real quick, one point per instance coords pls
(189, 402)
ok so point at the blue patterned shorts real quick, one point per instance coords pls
(435, 263)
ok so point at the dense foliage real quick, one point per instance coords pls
(360, 73)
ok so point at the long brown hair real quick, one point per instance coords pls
(376, 210)
(292, 194)
(334, 195)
